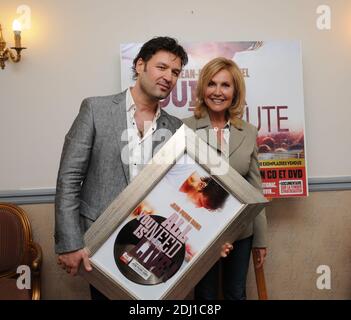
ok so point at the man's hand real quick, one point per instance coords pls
(71, 261)
(226, 248)
(261, 255)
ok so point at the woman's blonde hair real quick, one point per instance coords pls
(236, 110)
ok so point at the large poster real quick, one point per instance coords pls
(167, 231)
(274, 103)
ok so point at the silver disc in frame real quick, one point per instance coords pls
(152, 266)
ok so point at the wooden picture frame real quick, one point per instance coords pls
(121, 267)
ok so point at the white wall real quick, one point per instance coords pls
(73, 52)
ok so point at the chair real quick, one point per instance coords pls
(17, 248)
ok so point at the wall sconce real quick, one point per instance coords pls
(6, 53)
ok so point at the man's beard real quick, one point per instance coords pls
(154, 96)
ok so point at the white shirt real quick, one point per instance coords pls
(226, 135)
(140, 148)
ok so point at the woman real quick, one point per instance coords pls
(218, 112)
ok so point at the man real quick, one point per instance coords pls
(97, 162)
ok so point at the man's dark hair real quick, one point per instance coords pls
(157, 44)
(215, 195)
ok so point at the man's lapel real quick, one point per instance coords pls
(119, 118)
(162, 133)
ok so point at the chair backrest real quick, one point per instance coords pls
(15, 237)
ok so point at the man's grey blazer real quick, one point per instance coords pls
(92, 173)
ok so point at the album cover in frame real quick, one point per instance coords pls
(160, 236)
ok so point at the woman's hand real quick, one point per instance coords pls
(226, 248)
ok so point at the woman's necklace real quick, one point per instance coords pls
(218, 121)
(218, 126)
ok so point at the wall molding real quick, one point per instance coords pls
(329, 184)
(37, 196)
(29, 196)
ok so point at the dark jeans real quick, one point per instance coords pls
(96, 294)
(234, 272)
